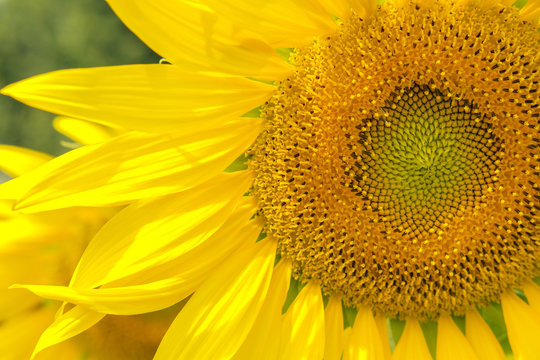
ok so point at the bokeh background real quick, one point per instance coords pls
(38, 36)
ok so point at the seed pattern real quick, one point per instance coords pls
(399, 164)
(423, 159)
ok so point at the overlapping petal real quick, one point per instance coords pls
(85, 132)
(162, 285)
(218, 317)
(364, 8)
(412, 344)
(451, 343)
(531, 11)
(380, 320)
(333, 317)
(152, 233)
(523, 326)
(135, 166)
(365, 341)
(15, 160)
(154, 98)
(282, 23)
(481, 338)
(187, 33)
(532, 291)
(66, 326)
(267, 326)
(303, 332)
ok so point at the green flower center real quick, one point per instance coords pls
(423, 158)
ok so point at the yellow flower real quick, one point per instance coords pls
(392, 172)
(44, 248)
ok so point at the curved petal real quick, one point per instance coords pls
(380, 319)
(135, 166)
(364, 8)
(303, 331)
(151, 233)
(451, 343)
(158, 287)
(522, 325)
(532, 292)
(186, 32)
(365, 340)
(153, 98)
(265, 330)
(15, 160)
(531, 11)
(66, 326)
(282, 23)
(218, 317)
(84, 132)
(17, 187)
(481, 338)
(412, 343)
(333, 317)
(126, 300)
(339, 8)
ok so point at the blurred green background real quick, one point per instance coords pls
(38, 36)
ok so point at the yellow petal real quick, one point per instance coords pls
(218, 317)
(364, 8)
(333, 317)
(84, 132)
(15, 160)
(481, 338)
(127, 300)
(186, 32)
(339, 8)
(303, 334)
(172, 282)
(383, 333)
(365, 341)
(531, 11)
(70, 324)
(154, 98)
(265, 331)
(412, 344)
(451, 343)
(282, 23)
(522, 326)
(17, 187)
(19, 335)
(346, 338)
(136, 166)
(532, 292)
(153, 232)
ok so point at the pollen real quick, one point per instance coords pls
(399, 164)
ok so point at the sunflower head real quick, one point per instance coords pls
(394, 167)
(399, 164)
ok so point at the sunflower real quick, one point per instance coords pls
(45, 248)
(322, 179)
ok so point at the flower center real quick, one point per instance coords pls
(422, 159)
(399, 164)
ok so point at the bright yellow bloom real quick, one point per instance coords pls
(392, 173)
(44, 248)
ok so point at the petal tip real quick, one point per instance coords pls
(6, 90)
